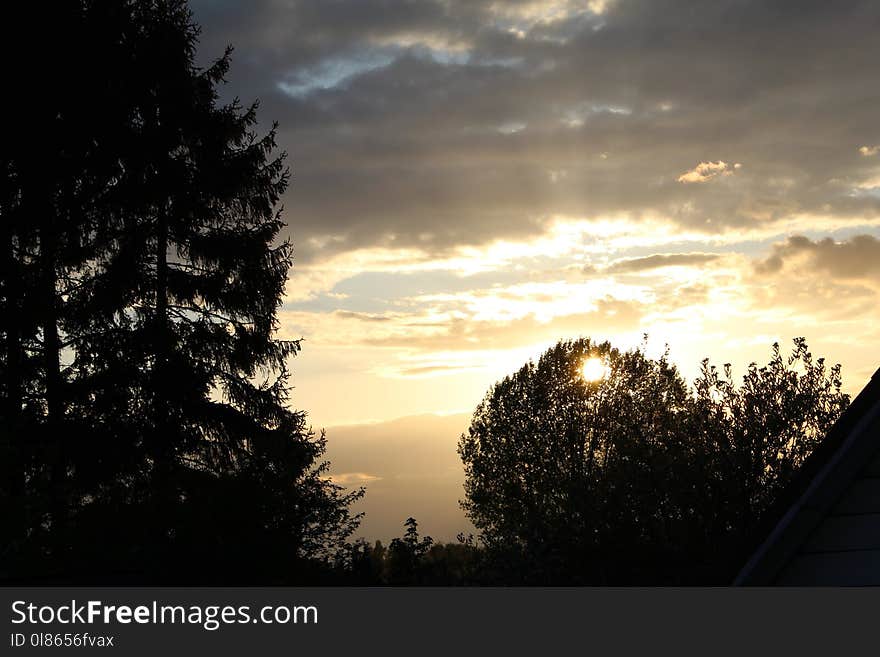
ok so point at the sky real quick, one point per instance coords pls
(474, 180)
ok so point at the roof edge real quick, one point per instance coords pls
(840, 454)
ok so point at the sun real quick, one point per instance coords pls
(594, 369)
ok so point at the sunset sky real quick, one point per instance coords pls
(474, 180)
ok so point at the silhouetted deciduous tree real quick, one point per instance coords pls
(752, 438)
(635, 478)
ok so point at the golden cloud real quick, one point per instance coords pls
(706, 171)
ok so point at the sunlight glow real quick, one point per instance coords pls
(594, 369)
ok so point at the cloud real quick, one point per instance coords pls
(598, 6)
(706, 171)
(855, 258)
(353, 478)
(869, 151)
(660, 260)
(391, 117)
(473, 324)
(430, 370)
(363, 317)
(332, 72)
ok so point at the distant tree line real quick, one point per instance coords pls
(411, 560)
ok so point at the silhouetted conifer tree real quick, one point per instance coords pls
(55, 165)
(142, 274)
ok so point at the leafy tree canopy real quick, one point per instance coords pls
(636, 477)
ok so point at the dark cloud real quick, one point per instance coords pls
(434, 124)
(856, 258)
(660, 260)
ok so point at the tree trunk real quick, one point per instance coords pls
(13, 436)
(13, 374)
(161, 343)
(51, 353)
(162, 447)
